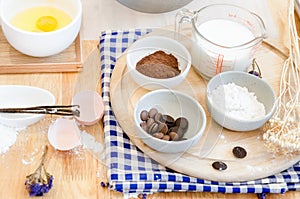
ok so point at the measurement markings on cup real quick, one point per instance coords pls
(219, 64)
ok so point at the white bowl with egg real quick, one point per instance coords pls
(45, 43)
(236, 100)
(19, 96)
(148, 45)
(176, 104)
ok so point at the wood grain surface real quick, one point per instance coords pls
(12, 61)
(78, 173)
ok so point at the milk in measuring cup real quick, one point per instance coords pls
(215, 53)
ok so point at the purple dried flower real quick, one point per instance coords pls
(142, 196)
(40, 181)
(103, 184)
(261, 196)
(255, 69)
(254, 73)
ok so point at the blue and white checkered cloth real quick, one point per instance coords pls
(129, 170)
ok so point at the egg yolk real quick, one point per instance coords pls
(46, 23)
(41, 19)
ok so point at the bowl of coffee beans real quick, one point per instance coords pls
(169, 121)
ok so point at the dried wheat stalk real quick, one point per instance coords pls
(282, 132)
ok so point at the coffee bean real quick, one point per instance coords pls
(158, 135)
(169, 120)
(144, 115)
(152, 112)
(239, 152)
(158, 117)
(173, 136)
(144, 126)
(174, 129)
(153, 128)
(150, 121)
(180, 132)
(182, 122)
(162, 127)
(166, 137)
(218, 165)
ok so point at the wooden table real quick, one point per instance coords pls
(77, 174)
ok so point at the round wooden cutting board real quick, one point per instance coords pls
(217, 143)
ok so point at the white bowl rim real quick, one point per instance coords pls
(187, 53)
(74, 20)
(30, 87)
(267, 115)
(201, 129)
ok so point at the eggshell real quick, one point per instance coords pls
(91, 107)
(64, 134)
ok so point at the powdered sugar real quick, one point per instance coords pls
(8, 137)
(237, 102)
(89, 142)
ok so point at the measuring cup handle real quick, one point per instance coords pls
(184, 15)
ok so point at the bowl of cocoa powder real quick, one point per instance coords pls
(158, 62)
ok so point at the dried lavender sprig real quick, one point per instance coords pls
(40, 181)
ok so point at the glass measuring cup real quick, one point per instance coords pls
(225, 37)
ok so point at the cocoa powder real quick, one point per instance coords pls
(158, 65)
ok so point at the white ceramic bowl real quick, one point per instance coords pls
(262, 90)
(176, 104)
(154, 6)
(15, 96)
(148, 45)
(45, 43)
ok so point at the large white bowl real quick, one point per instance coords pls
(262, 90)
(154, 6)
(148, 45)
(45, 43)
(176, 104)
(15, 96)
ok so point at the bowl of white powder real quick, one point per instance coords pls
(240, 101)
